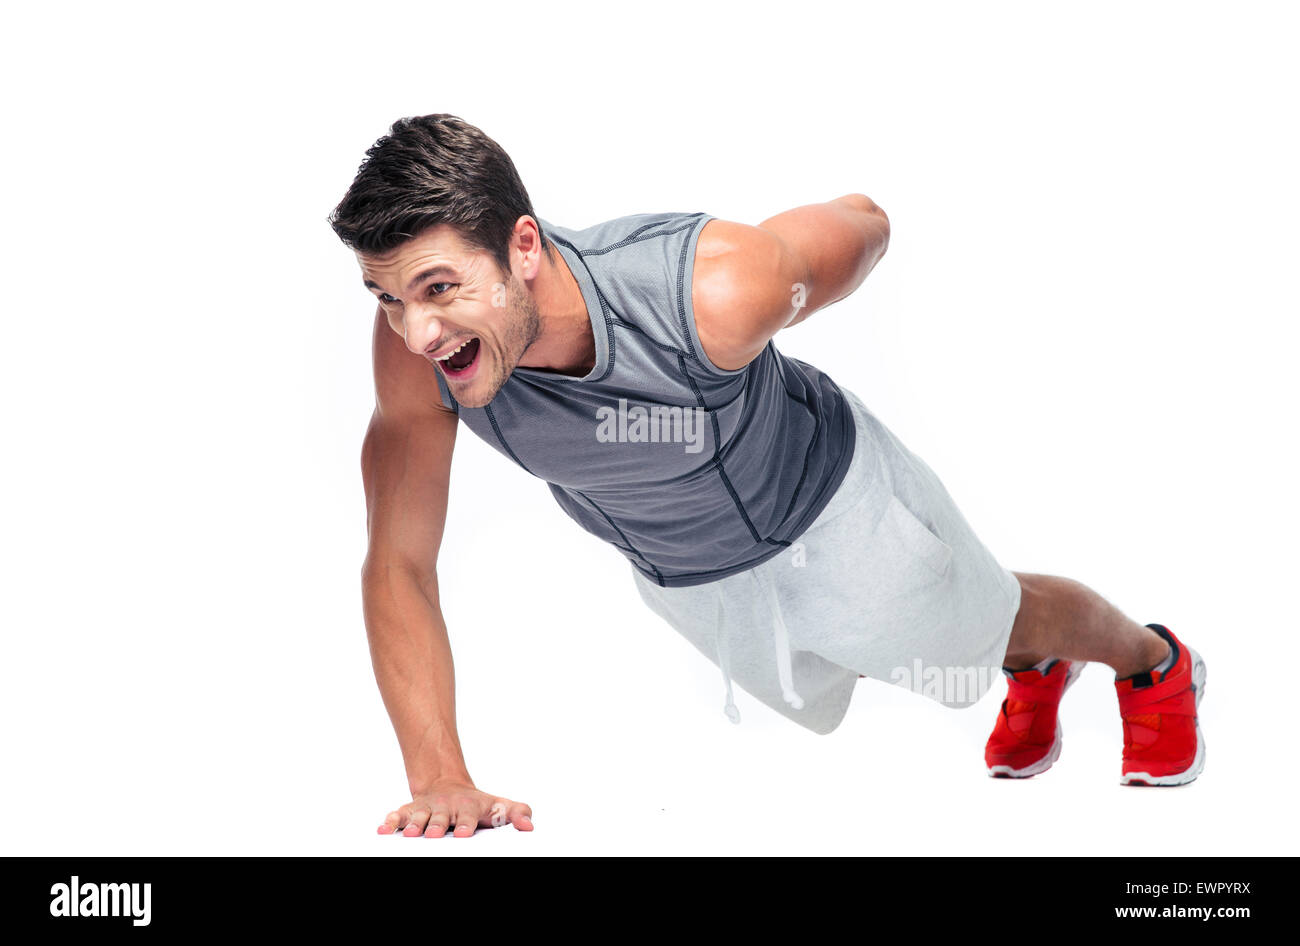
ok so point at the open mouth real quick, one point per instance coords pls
(461, 361)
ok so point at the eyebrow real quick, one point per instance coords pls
(442, 269)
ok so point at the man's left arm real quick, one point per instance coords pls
(750, 282)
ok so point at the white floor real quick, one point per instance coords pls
(293, 755)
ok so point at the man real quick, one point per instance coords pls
(767, 514)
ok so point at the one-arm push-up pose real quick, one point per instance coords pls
(766, 513)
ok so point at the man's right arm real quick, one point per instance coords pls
(406, 467)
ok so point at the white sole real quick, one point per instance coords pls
(1198, 763)
(1045, 763)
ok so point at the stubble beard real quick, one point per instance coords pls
(523, 326)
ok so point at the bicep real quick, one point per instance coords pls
(406, 459)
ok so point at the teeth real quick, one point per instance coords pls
(453, 351)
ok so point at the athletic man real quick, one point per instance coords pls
(767, 514)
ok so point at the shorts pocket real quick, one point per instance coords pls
(875, 591)
(917, 537)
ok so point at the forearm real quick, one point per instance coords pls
(413, 666)
(837, 244)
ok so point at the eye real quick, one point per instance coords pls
(386, 299)
(435, 285)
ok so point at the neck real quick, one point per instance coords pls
(565, 342)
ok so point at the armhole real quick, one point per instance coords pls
(447, 400)
(686, 302)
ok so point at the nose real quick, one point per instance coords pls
(420, 329)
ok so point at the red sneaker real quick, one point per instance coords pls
(1026, 739)
(1163, 744)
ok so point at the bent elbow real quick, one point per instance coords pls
(880, 224)
(879, 213)
(864, 203)
(879, 219)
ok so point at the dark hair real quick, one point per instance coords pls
(429, 170)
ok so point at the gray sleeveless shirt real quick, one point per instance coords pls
(693, 472)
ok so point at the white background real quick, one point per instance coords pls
(1086, 324)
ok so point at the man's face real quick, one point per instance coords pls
(441, 294)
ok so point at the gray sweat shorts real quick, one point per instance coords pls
(889, 582)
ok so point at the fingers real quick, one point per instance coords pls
(409, 819)
(438, 822)
(443, 818)
(504, 812)
(521, 816)
(391, 823)
(462, 818)
(415, 822)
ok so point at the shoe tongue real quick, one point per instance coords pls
(1028, 675)
(1173, 650)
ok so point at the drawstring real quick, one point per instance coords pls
(783, 670)
(724, 661)
(781, 641)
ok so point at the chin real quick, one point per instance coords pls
(480, 385)
(479, 394)
(475, 401)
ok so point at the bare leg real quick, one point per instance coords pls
(1061, 618)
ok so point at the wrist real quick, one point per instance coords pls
(430, 782)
